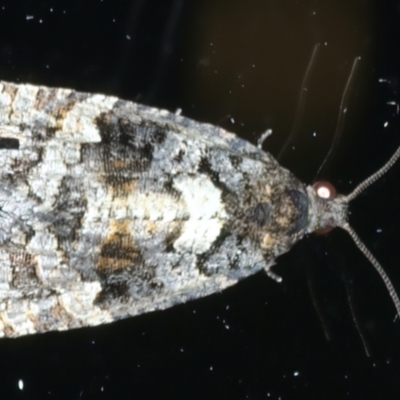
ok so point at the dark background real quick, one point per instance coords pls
(238, 64)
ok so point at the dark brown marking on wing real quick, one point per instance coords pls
(172, 236)
(21, 166)
(235, 160)
(118, 252)
(48, 100)
(9, 143)
(202, 259)
(23, 271)
(69, 209)
(126, 148)
(207, 169)
(261, 214)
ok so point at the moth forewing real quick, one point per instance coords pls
(112, 209)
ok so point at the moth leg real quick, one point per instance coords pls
(273, 276)
(262, 138)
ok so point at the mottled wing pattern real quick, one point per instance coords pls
(111, 209)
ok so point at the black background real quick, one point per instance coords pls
(238, 64)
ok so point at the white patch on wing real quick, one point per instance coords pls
(206, 213)
(23, 104)
(19, 316)
(149, 206)
(78, 301)
(45, 178)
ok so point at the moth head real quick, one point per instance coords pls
(324, 191)
(327, 209)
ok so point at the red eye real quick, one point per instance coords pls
(325, 190)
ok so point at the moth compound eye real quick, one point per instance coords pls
(325, 190)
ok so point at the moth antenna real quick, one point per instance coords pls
(373, 178)
(342, 115)
(359, 189)
(376, 264)
(302, 100)
(355, 319)
(166, 47)
(316, 304)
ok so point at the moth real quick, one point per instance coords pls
(111, 209)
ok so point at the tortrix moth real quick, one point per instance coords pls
(111, 209)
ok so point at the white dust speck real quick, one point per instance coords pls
(382, 80)
(385, 124)
(29, 17)
(314, 134)
(178, 111)
(21, 384)
(379, 230)
(232, 120)
(128, 37)
(296, 373)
